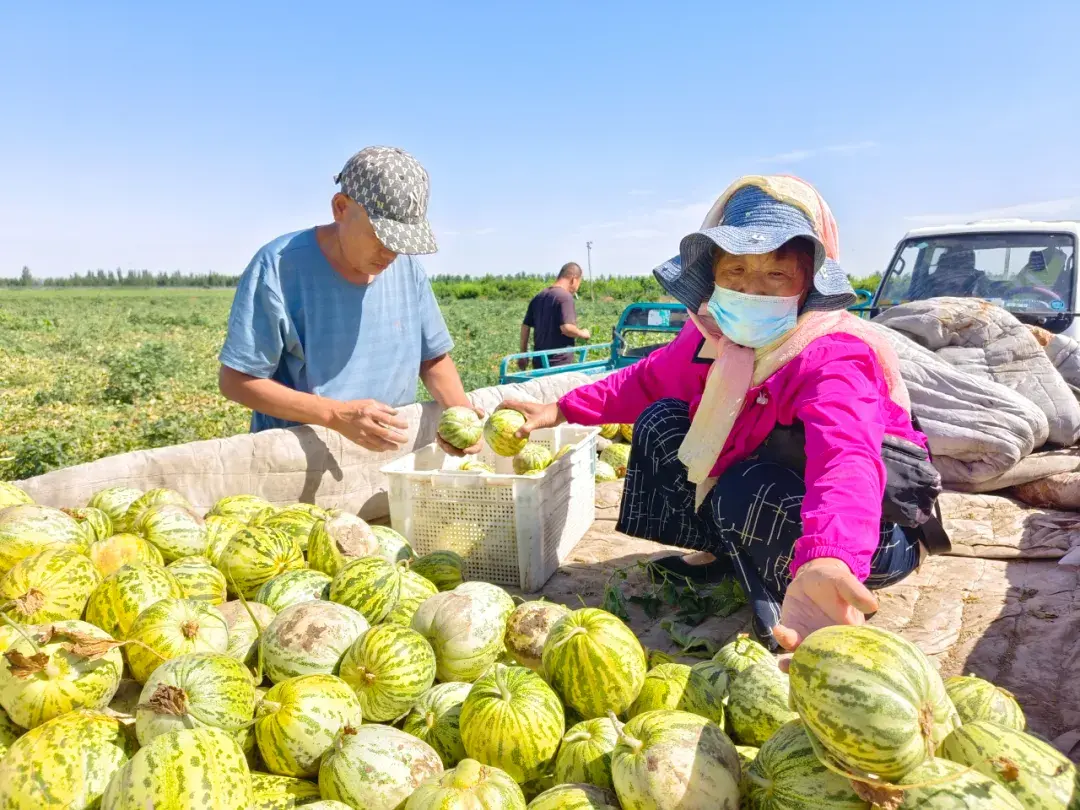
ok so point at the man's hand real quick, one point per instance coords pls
(468, 451)
(585, 334)
(522, 363)
(372, 425)
(537, 416)
(824, 592)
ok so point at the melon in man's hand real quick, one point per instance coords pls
(460, 427)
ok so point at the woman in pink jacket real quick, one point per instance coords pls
(762, 432)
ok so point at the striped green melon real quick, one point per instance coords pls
(114, 552)
(533, 457)
(786, 774)
(171, 628)
(173, 530)
(740, 654)
(115, 502)
(389, 667)
(149, 499)
(443, 569)
(273, 792)
(243, 631)
(604, 473)
(490, 595)
(618, 456)
(254, 556)
(500, 432)
(299, 719)
(871, 700)
(594, 662)
(296, 521)
(1034, 772)
(376, 767)
(472, 465)
(202, 689)
(376, 588)
(585, 754)
(27, 529)
(219, 531)
(469, 786)
(11, 495)
(96, 523)
(513, 720)
(239, 507)
(339, 538)
(9, 733)
(758, 701)
(678, 686)
(327, 804)
(609, 431)
(199, 579)
(309, 638)
(121, 597)
(73, 666)
(944, 785)
(460, 427)
(51, 585)
(392, 544)
(466, 631)
(627, 433)
(191, 769)
(293, 587)
(671, 759)
(575, 797)
(66, 763)
(436, 719)
(527, 629)
(976, 699)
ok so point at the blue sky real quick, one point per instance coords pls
(184, 136)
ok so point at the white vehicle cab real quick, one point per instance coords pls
(1026, 267)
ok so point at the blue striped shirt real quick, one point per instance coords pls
(295, 320)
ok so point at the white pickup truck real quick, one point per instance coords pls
(1026, 267)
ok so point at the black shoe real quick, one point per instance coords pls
(712, 572)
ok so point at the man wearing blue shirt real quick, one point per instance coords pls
(333, 325)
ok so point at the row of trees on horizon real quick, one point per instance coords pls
(446, 288)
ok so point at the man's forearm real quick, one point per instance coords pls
(274, 399)
(524, 339)
(571, 330)
(440, 377)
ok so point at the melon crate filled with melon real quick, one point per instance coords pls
(513, 512)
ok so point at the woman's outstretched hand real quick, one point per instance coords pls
(537, 416)
(824, 592)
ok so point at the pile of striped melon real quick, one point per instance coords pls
(293, 656)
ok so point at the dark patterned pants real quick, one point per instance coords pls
(752, 517)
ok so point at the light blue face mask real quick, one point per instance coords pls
(753, 320)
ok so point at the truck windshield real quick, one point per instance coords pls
(1022, 272)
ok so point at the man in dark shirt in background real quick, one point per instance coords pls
(551, 313)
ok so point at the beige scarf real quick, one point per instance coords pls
(736, 369)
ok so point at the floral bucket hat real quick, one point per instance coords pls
(758, 214)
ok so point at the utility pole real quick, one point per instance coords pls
(592, 287)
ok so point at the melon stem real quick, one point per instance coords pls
(500, 682)
(633, 743)
(190, 629)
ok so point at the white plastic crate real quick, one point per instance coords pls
(511, 529)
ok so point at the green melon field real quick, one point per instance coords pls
(90, 372)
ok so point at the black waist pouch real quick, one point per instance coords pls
(912, 484)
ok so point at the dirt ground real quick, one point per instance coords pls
(1002, 608)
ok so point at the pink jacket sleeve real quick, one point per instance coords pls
(840, 406)
(622, 396)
